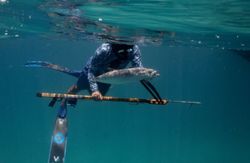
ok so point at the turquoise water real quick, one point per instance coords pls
(200, 48)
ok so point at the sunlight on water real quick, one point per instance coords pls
(202, 23)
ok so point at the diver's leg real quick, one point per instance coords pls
(82, 83)
(74, 89)
(62, 112)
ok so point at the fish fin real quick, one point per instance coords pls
(154, 89)
(148, 89)
(151, 89)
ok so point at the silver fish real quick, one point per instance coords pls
(128, 75)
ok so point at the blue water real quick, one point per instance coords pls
(210, 65)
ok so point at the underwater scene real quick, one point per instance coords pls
(199, 51)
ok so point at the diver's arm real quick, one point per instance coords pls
(96, 63)
(136, 60)
(93, 86)
(92, 82)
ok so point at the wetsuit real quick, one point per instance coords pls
(107, 57)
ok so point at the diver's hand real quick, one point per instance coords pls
(97, 95)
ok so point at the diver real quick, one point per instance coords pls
(108, 57)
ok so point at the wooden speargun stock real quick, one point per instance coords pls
(105, 98)
(116, 99)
